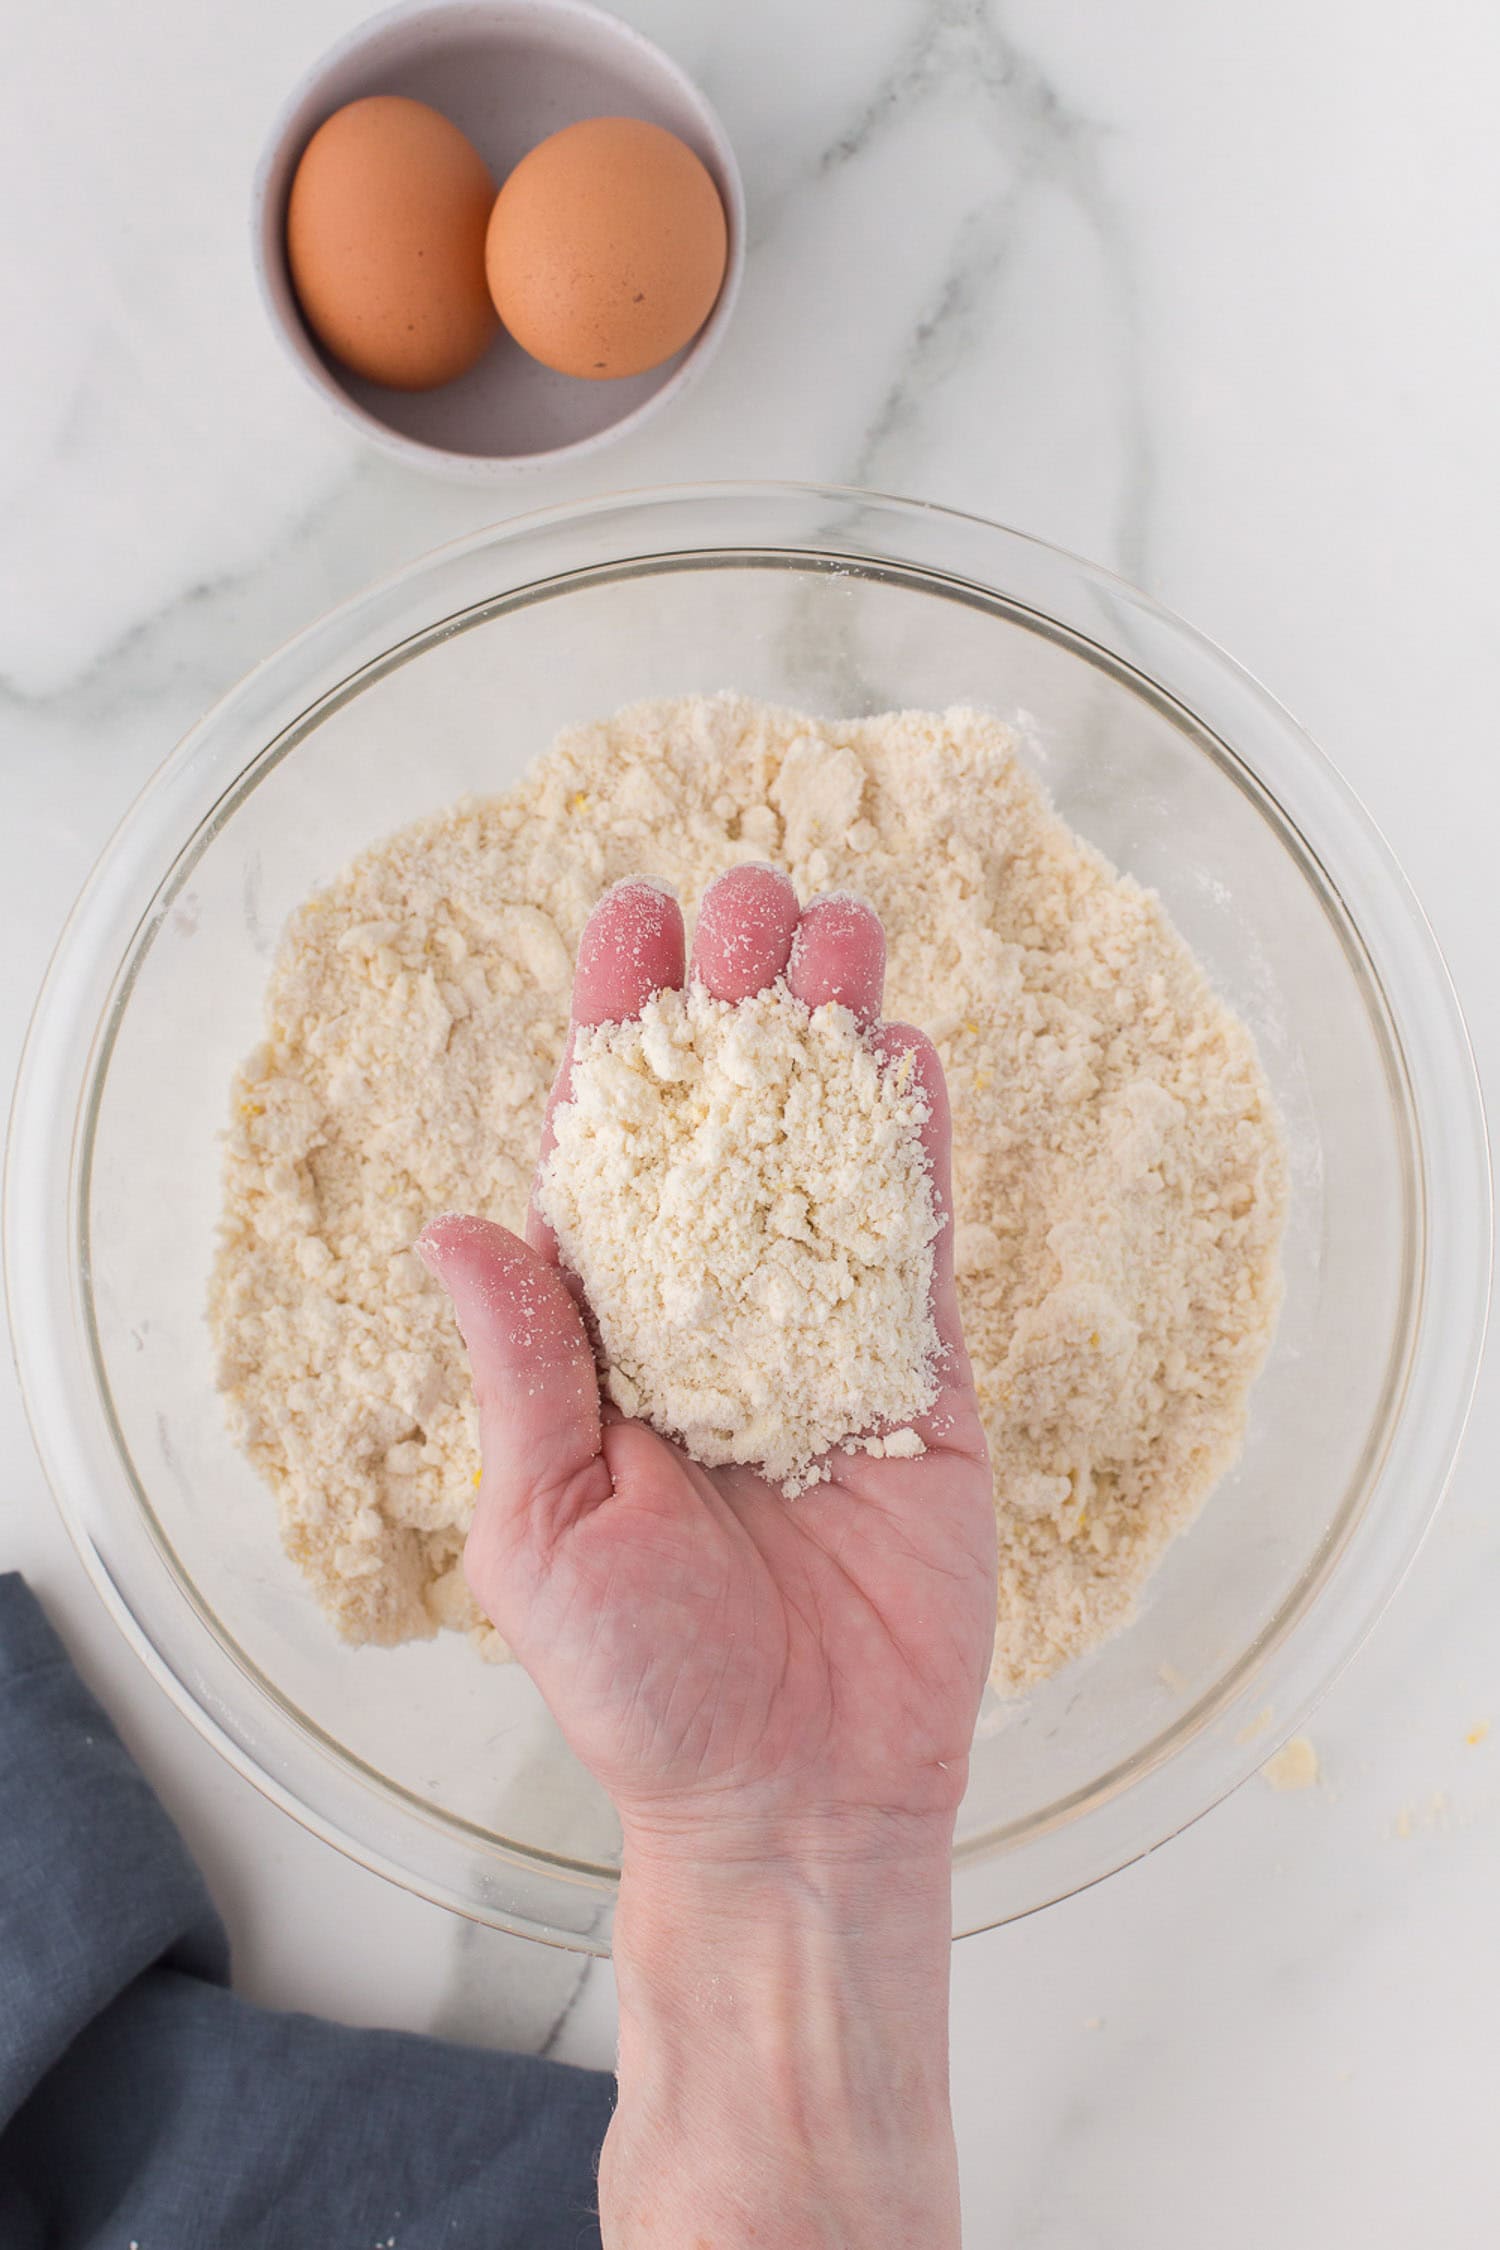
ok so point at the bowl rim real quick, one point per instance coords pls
(42, 1186)
(278, 301)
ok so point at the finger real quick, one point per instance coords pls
(838, 954)
(631, 949)
(908, 1050)
(535, 1386)
(744, 933)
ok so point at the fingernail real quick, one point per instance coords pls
(840, 898)
(756, 867)
(433, 1243)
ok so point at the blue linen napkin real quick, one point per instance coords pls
(145, 2106)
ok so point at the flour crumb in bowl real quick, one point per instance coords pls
(1118, 1170)
(744, 1193)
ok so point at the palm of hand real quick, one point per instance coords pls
(710, 1648)
(711, 1645)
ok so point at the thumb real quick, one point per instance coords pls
(535, 1386)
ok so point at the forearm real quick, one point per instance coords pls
(784, 2051)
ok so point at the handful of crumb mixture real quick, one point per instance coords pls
(743, 1191)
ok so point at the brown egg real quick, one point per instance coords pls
(385, 233)
(606, 248)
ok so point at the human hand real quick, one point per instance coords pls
(735, 1668)
(778, 1695)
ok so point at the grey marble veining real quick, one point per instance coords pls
(960, 50)
(500, 1991)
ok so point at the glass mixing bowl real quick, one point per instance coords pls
(447, 1774)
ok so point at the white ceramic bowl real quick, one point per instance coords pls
(508, 73)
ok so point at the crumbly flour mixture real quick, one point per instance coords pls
(744, 1194)
(1118, 1169)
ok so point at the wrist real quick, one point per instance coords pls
(840, 1849)
(784, 2014)
(851, 1909)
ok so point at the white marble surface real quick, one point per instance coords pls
(1206, 292)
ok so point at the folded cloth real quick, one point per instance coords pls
(145, 2106)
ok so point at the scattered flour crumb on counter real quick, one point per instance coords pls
(1118, 1171)
(1295, 1765)
(1437, 1815)
(744, 1193)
